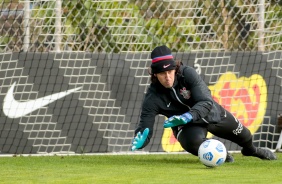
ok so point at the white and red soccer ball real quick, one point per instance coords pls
(212, 153)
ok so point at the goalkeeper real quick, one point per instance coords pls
(178, 92)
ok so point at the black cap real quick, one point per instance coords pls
(162, 59)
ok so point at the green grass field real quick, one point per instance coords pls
(115, 169)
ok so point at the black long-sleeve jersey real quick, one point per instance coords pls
(188, 94)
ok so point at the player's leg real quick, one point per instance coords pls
(191, 136)
(232, 129)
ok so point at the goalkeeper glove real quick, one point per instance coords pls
(139, 139)
(178, 120)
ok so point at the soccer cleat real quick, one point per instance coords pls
(261, 153)
(229, 158)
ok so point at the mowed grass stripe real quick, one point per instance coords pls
(115, 169)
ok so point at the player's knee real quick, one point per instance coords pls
(190, 145)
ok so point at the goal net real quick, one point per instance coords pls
(73, 74)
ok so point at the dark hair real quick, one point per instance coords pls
(154, 79)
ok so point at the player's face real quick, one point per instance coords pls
(166, 78)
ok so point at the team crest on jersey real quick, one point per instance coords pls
(185, 93)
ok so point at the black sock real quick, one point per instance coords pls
(248, 146)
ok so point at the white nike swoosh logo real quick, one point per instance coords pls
(15, 109)
(165, 66)
(168, 104)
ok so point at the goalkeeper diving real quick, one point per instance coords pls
(178, 92)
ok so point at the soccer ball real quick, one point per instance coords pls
(212, 153)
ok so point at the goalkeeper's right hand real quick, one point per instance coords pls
(139, 139)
